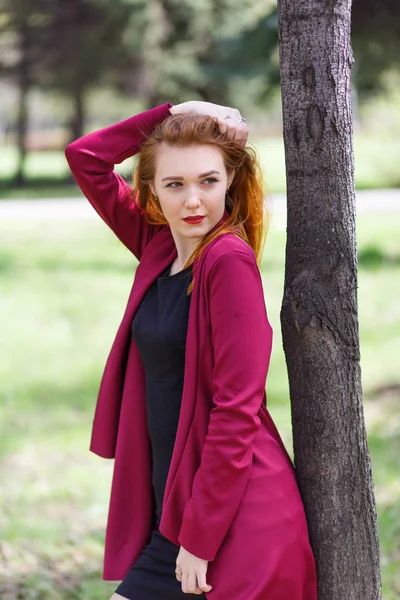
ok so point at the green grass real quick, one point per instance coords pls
(39, 189)
(64, 286)
(376, 161)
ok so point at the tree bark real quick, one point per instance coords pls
(319, 314)
(78, 117)
(23, 90)
(75, 24)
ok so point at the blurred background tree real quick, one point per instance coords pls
(223, 51)
(376, 42)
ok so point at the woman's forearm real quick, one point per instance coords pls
(91, 159)
(100, 150)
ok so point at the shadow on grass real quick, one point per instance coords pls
(11, 263)
(40, 188)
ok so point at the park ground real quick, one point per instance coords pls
(64, 286)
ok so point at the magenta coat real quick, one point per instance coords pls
(231, 496)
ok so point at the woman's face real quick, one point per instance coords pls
(191, 181)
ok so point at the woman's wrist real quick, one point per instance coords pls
(183, 108)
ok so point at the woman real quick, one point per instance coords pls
(204, 498)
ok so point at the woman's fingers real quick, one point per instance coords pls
(202, 583)
(189, 583)
(231, 125)
(238, 132)
(228, 118)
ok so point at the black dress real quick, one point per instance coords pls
(159, 329)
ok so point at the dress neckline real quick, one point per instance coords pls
(181, 273)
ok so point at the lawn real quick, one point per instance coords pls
(64, 286)
(376, 162)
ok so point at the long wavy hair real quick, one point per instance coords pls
(245, 203)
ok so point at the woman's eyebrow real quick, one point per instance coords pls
(200, 176)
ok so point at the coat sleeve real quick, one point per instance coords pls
(242, 342)
(91, 159)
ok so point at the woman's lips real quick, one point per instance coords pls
(193, 220)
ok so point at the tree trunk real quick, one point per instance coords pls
(78, 117)
(23, 90)
(75, 24)
(319, 310)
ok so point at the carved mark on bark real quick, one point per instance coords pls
(315, 122)
(296, 135)
(309, 77)
(332, 4)
(331, 78)
(300, 315)
(334, 127)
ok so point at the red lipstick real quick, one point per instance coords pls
(194, 220)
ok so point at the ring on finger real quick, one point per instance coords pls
(241, 120)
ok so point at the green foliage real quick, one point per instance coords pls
(174, 48)
(376, 42)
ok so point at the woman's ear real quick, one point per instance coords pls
(230, 179)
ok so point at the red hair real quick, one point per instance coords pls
(248, 217)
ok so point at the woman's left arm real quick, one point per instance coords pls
(242, 343)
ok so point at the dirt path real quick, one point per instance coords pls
(79, 208)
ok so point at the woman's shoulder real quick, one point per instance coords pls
(228, 244)
(231, 270)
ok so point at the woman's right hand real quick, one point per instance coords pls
(232, 127)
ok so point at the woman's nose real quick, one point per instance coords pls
(193, 199)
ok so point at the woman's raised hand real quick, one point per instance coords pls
(232, 126)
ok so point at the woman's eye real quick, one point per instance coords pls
(212, 179)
